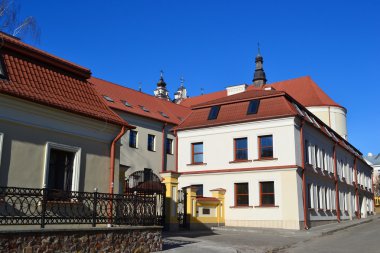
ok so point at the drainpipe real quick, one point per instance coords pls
(112, 159)
(163, 167)
(176, 150)
(306, 227)
(336, 186)
(373, 195)
(356, 189)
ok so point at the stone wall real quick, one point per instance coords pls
(122, 239)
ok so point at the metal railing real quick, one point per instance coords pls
(30, 206)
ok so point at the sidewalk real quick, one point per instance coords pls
(240, 239)
(315, 231)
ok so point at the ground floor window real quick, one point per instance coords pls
(267, 193)
(310, 194)
(62, 167)
(241, 194)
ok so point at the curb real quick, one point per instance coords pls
(330, 232)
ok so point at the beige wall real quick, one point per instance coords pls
(28, 127)
(333, 116)
(139, 158)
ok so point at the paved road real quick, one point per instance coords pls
(362, 238)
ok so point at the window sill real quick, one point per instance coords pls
(240, 161)
(267, 206)
(169, 153)
(134, 147)
(241, 207)
(151, 150)
(196, 164)
(265, 159)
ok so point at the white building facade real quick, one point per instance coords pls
(278, 171)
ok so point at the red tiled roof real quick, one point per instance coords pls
(212, 199)
(42, 78)
(176, 113)
(234, 110)
(303, 89)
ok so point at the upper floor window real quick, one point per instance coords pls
(151, 142)
(214, 111)
(198, 189)
(197, 152)
(265, 147)
(241, 194)
(169, 146)
(241, 149)
(267, 193)
(133, 139)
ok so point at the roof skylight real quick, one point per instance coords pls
(126, 103)
(253, 106)
(164, 114)
(214, 111)
(144, 108)
(109, 99)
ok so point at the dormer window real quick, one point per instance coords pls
(214, 111)
(108, 98)
(144, 108)
(126, 103)
(253, 106)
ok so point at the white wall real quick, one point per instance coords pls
(218, 145)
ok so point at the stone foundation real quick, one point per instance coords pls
(121, 239)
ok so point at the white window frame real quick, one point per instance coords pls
(154, 143)
(76, 163)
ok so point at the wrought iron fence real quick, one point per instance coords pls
(28, 206)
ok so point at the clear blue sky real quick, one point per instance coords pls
(212, 43)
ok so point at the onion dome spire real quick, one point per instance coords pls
(259, 78)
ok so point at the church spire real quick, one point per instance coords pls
(161, 91)
(259, 78)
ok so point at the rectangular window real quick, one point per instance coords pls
(306, 150)
(169, 146)
(197, 153)
(267, 193)
(310, 193)
(206, 211)
(133, 139)
(319, 193)
(266, 147)
(241, 194)
(61, 165)
(241, 149)
(317, 161)
(253, 107)
(151, 142)
(214, 111)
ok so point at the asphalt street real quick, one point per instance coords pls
(359, 238)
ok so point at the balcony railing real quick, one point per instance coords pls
(29, 206)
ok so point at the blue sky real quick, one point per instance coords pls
(213, 45)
